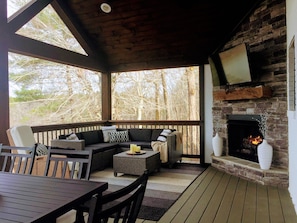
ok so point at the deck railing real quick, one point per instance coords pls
(191, 131)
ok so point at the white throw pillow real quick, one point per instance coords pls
(72, 136)
(163, 135)
(106, 130)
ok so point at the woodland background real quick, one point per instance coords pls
(43, 92)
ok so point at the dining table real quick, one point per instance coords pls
(28, 198)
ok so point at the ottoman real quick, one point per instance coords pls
(136, 164)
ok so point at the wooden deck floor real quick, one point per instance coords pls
(218, 197)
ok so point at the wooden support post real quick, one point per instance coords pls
(106, 96)
(4, 89)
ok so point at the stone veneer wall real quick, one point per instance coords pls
(264, 31)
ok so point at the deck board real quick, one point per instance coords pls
(225, 206)
(249, 210)
(200, 207)
(238, 202)
(219, 197)
(275, 209)
(214, 204)
(262, 214)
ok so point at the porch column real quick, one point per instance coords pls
(106, 96)
(4, 91)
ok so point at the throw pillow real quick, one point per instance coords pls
(106, 130)
(163, 136)
(119, 136)
(41, 149)
(72, 136)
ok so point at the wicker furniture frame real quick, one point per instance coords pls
(136, 164)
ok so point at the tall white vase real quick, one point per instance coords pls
(217, 145)
(265, 152)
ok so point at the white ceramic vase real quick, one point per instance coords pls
(217, 145)
(265, 152)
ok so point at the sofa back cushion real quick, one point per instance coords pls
(155, 134)
(140, 135)
(91, 137)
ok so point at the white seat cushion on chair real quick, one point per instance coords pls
(22, 136)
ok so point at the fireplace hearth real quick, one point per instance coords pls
(241, 157)
(243, 136)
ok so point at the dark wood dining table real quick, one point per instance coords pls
(27, 198)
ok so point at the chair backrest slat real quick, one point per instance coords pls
(123, 204)
(74, 164)
(18, 160)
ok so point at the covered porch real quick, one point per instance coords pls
(171, 34)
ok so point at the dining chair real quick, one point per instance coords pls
(68, 162)
(122, 205)
(19, 160)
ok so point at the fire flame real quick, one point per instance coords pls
(255, 140)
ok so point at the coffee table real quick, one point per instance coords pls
(136, 164)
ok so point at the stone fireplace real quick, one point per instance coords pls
(264, 32)
(241, 159)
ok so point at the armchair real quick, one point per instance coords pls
(22, 136)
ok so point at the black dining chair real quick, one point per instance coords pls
(122, 205)
(69, 163)
(19, 160)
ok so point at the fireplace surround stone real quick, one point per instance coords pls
(251, 171)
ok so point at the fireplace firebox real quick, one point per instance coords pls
(243, 136)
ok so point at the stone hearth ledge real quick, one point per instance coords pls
(251, 171)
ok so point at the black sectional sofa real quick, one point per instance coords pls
(104, 151)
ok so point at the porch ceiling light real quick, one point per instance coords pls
(105, 7)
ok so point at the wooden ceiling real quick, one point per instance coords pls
(150, 34)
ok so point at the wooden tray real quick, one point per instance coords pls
(135, 153)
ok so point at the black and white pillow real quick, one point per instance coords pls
(72, 136)
(118, 136)
(163, 135)
(41, 149)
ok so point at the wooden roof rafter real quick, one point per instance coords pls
(73, 25)
(30, 47)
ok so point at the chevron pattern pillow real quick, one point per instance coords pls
(118, 136)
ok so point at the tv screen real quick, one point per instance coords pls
(235, 65)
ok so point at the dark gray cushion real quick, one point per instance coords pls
(101, 147)
(90, 137)
(140, 135)
(79, 135)
(155, 134)
(101, 138)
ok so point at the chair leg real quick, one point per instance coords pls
(79, 218)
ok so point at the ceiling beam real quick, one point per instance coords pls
(25, 14)
(30, 47)
(81, 36)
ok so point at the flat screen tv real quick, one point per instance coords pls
(231, 66)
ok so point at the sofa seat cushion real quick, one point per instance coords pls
(101, 147)
(139, 143)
